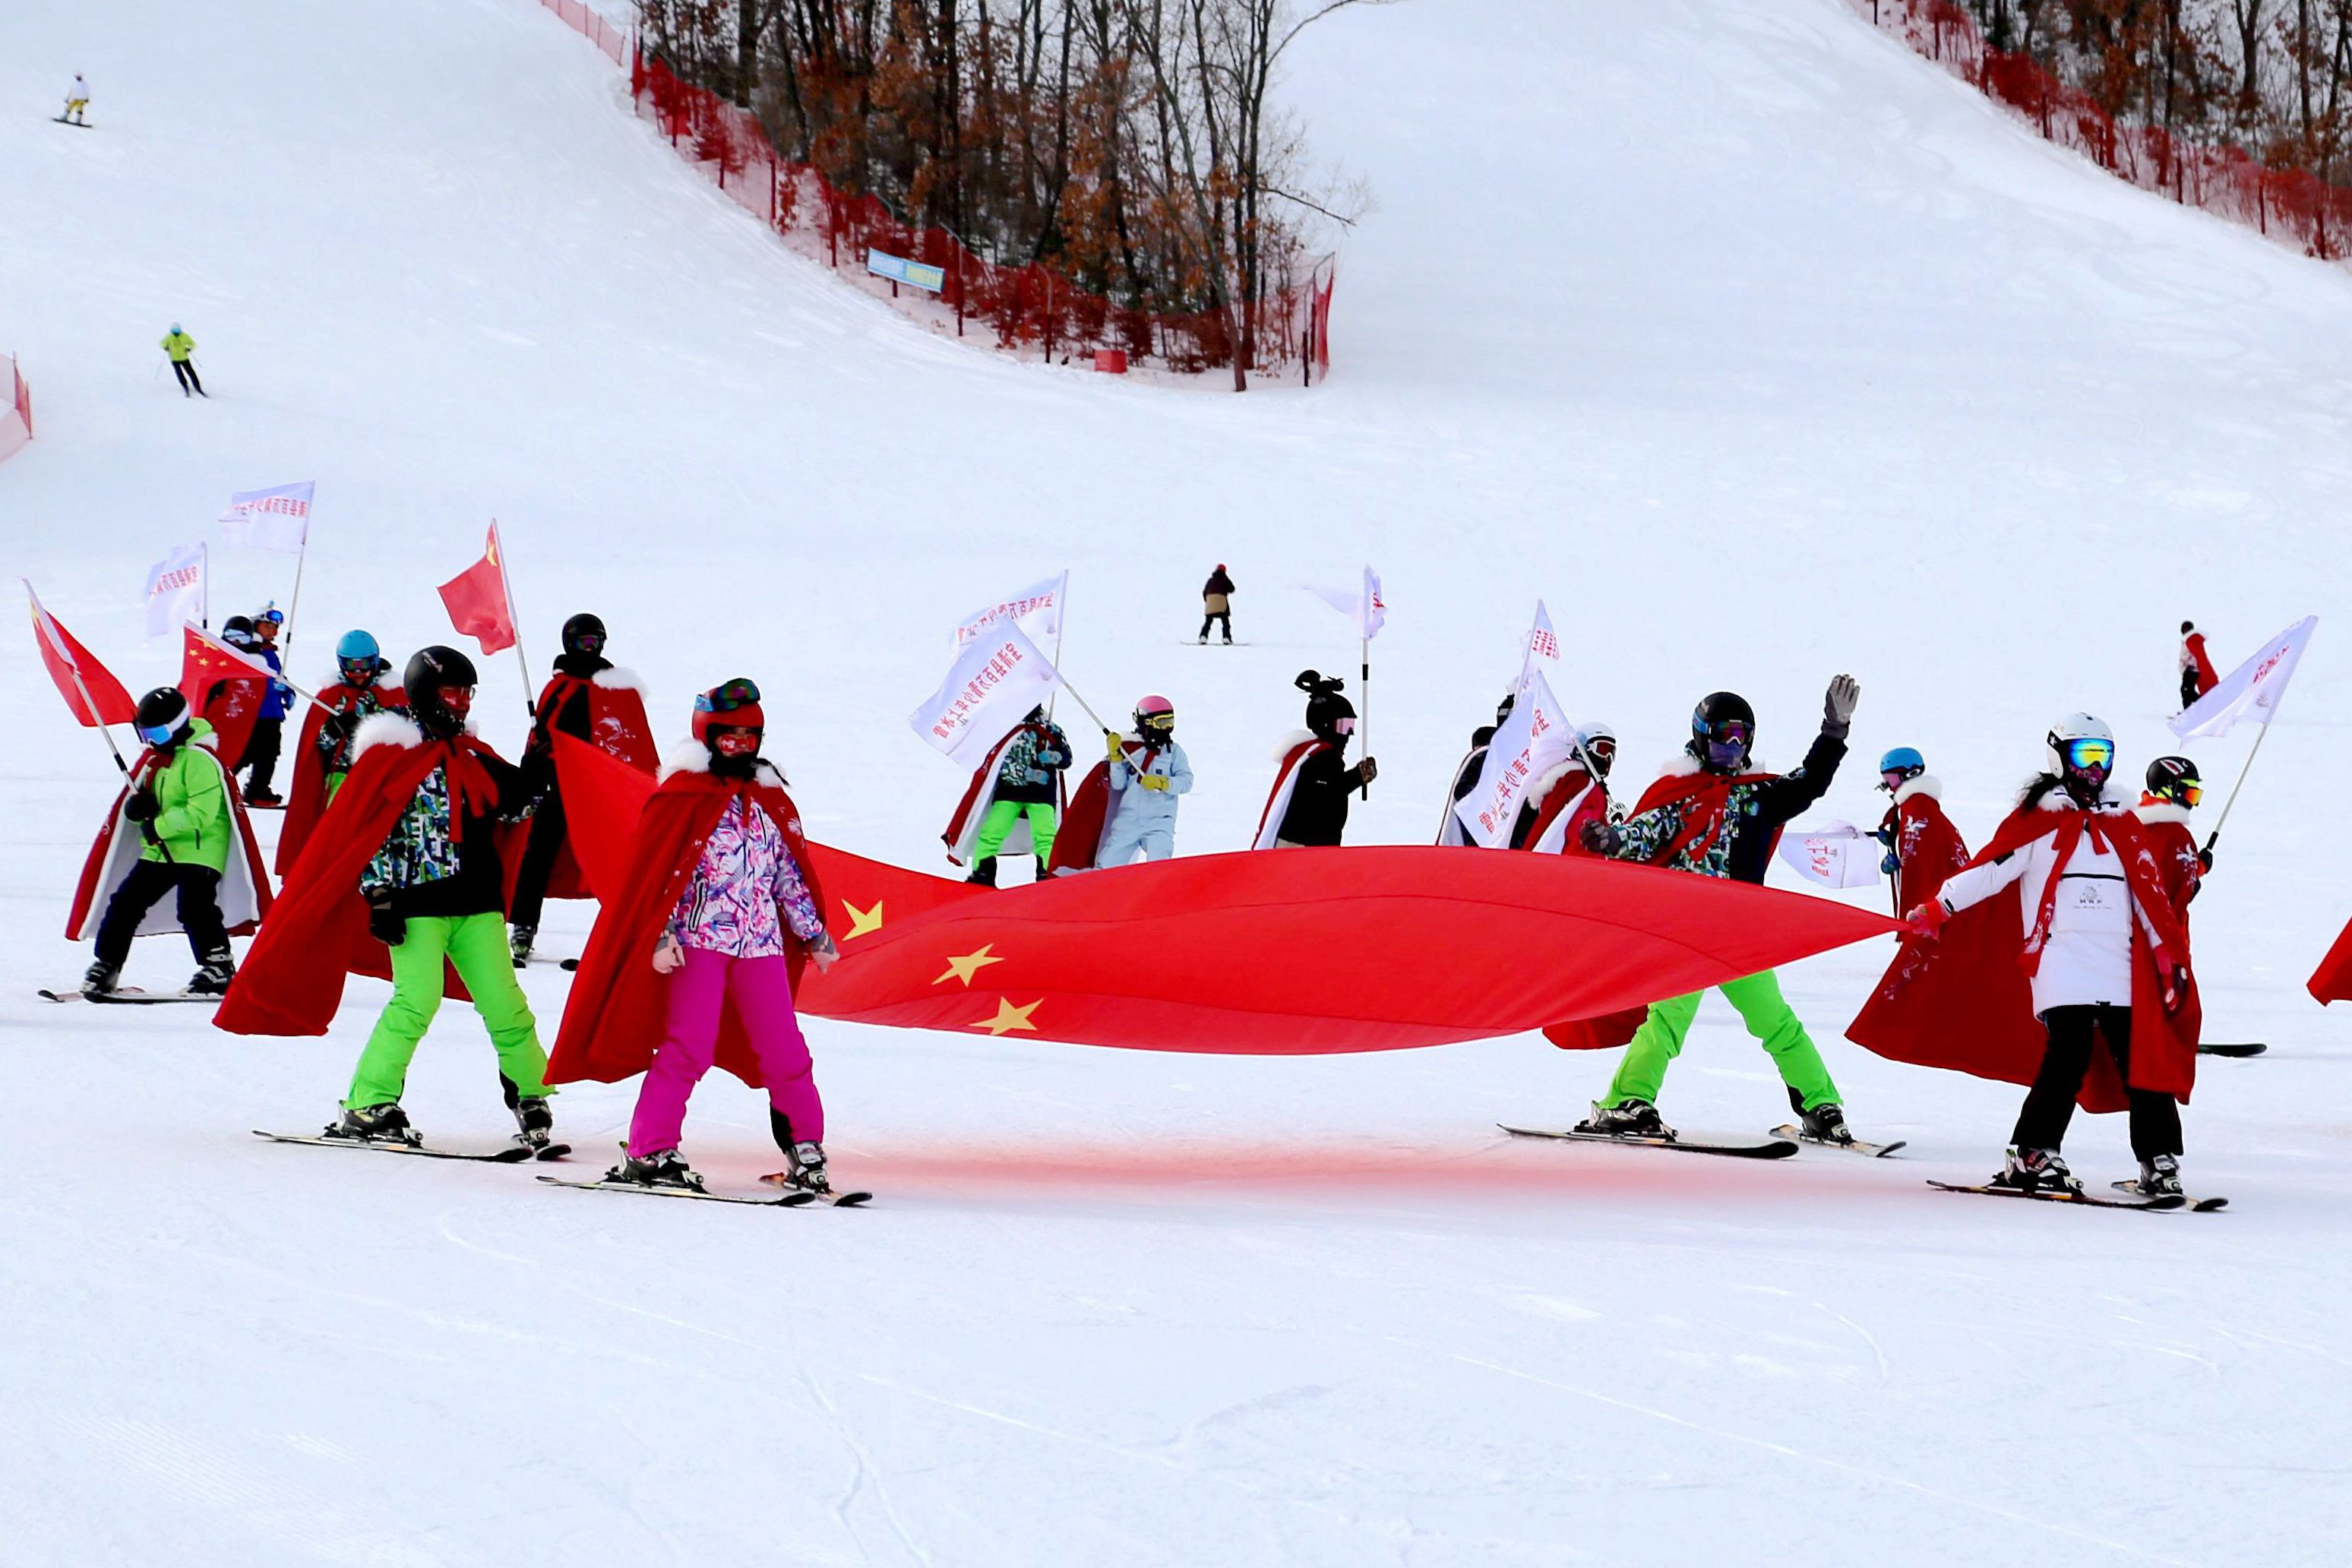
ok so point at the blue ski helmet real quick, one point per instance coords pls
(358, 658)
(1899, 766)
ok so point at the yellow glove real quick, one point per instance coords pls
(1111, 742)
(1152, 781)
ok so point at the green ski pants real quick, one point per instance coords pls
(476, 946)
(1762, 1007)
(998, 824)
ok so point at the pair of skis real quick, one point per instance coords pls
(513, 1154)
(793, 1197)
(128, 996)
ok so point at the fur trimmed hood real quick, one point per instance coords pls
(1927, 785)
(2109, 803)
(2154, 811)
(388, 728)
(1296, 738)
(1545, 781)
(618, 680)
(694, 757)
(1683, 765)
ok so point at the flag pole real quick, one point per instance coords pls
(522, 661)
(301, 559)
(1061, 625)
(205, 587)
(1081, 702)
(90, 707)
(2250, 754)
(1364, 720)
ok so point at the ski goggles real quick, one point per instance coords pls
(724, 698)
(2088, 753)
(156, 734)
(2187, 794)
(1894, 779)
(273, 617)
(589, 642)
(1602, 750)
(360, 671)
(1343, 726)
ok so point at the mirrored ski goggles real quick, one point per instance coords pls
(271, 617)
(2088, 753)
(2187, 794)
(1893, 779)
(360, 671)
(589, 642)
(1602, 751)
(728, 698)
(1729, 732)
(156, 734)
(1343, 727)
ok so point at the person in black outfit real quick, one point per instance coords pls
(563, 706)
(1465, 776)
(1319, 804)
(1217, 604)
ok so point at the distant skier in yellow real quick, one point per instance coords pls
(182, 350)
(77, 101)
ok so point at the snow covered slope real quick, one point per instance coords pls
(1758, 347)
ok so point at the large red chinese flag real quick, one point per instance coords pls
(223, 689)
(76, 670)
(477, 599)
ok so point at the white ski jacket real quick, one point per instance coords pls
(2087, 960)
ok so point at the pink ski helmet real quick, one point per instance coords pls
(1155, 715)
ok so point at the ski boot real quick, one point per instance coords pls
(1825, 1124)
(100, 979)
(1626, 1119)
(2036, 1170)
(983, 872)
(212, 980)
(385, 1124)
(1044, 872)
(2160, 1177)
(262, 795)
(531, 1113)
(519, 942)
(807, 1172)
(665, 1168)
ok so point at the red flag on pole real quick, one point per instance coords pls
(477, 599)
(224, 688)
(88, 688)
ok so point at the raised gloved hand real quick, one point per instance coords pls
(386, 924)
(2173, 980)
(1602, 838)
(1927, 922)
(1837, 707)
(1152, 781)
(823, 951)
(669, 956)
(142, 805)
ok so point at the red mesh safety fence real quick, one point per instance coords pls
(2293, 206)
(1030, 307)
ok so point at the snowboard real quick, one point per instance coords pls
(838, 1200)
(789, 1201)
(2247, 1049)
(1772, 1149)
(1870, 1150)
(79, 124)
(2087, 1200)
(514, 1154)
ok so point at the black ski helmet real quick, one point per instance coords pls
(237, 631)
(1723, 731)
(1503, 708)
(163, 717)
(1325, 707)
(2174, 779)
(431, 671)
(578, 630)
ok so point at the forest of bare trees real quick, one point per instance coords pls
(1132, 145)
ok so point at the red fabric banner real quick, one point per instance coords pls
(64, 659)
(2332, 981)
(477, 601)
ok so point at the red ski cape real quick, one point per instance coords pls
(2332, 981)
(1571, 793)
(293, 979)
(245, 893)
(1928, 847)
(2202, 662)
(615, 1016)
(963, 828)
(617, 726)
(306, 797)
(1965, 1001)
(1296, 750)
(1078, 841)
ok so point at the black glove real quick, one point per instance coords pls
(386, 924)
(336, 730)
(142, 805)
(2205, 859)
(1603, 838)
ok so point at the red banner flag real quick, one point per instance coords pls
(88, 688)
(224, 688)
(477, 599)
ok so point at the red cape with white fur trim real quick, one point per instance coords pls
(614, 1018)
(1289, 760)
(245, 893)
(1965, 1000)
(1565, 800)
(617, 726)
(293, 979)
(1928, 847)
(306, 797)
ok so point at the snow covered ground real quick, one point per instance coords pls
(1758, 347)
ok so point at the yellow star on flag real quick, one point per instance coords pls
(1009, 1017)
(969, 965)
(863, 922)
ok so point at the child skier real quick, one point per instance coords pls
(2091, 949)
(2198, 676)
(701, 952)
(182, 351)
(260, 759)
(1017, 788)
(1450, 831)
(1308, 805)
(2173, 792)
(1923, 848)
(177, 827)
(1148, 770)
(408, 854)
(590, 698)
(1561, 803)
(323, 754)
(1714, 812)
(1217, 604)
(76, 104)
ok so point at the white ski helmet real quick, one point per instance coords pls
(1589, 737)
(2075, 727)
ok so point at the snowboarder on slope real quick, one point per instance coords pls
(1563, 801)
(1217, 604)
(1716, 813)
(1024, 787)
(323, 754)
(593, 700)
(409, 856)
(702, 949)
(1148, 770)
(182, 349)
(1309, 803)
(175, 828)
(2198, 676)
(2095, 938)
(1923, 848)
(1450, 831)
(262, 750)
(77, 103)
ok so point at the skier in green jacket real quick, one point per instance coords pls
(181, 805)
(182, 349)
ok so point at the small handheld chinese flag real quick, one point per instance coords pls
(88, 688)
(477, 600)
